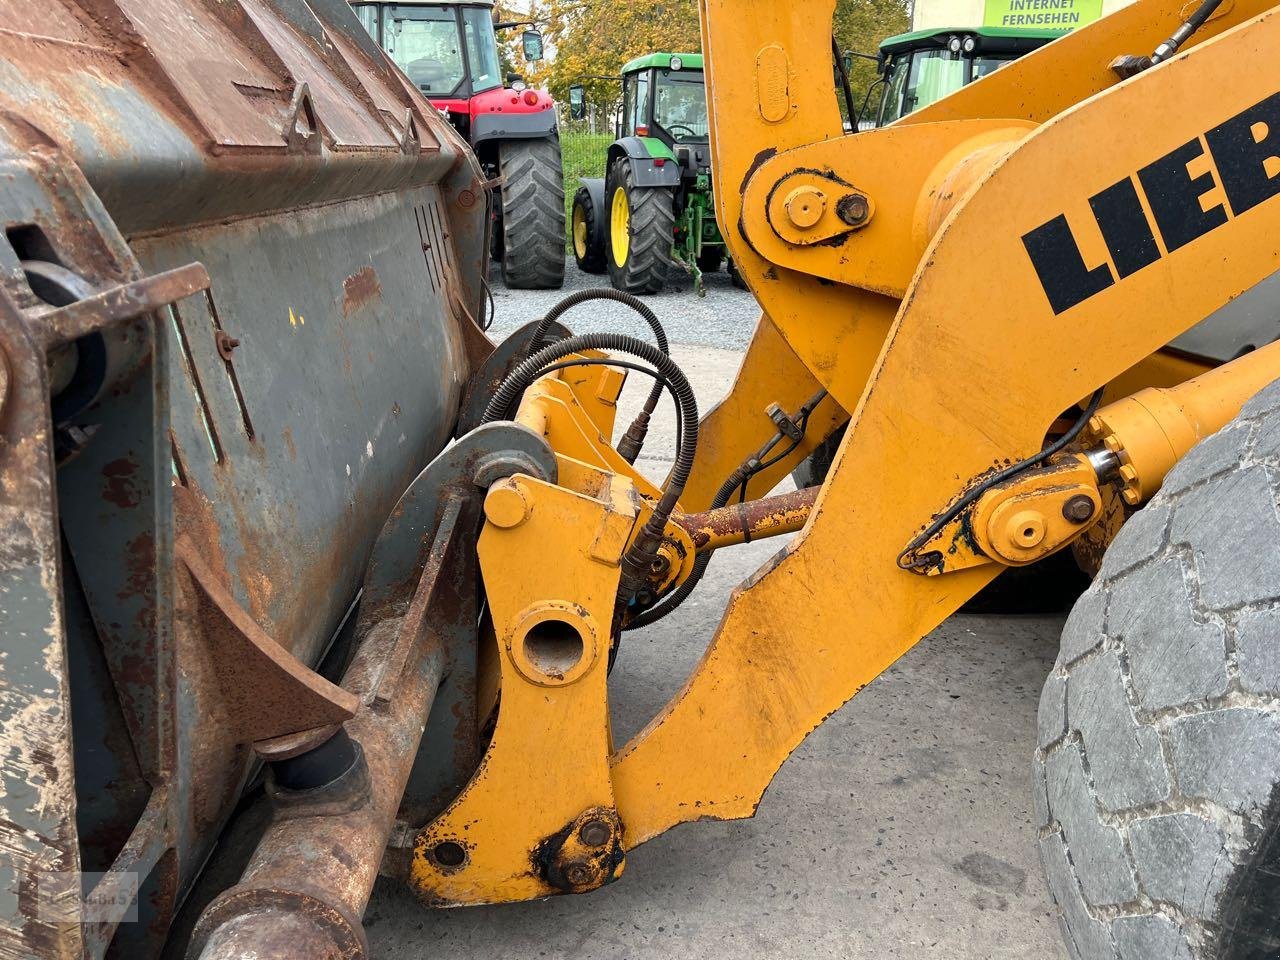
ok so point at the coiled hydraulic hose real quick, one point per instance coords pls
(635, 565)
(631, 442)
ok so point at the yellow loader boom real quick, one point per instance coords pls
(1000, 303)
(955, 282)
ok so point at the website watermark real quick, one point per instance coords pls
(68, 896)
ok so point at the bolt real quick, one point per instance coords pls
(578, 875)
(506, 505)
(1078, 509)
(660, 566)
(595, 833)
(805, 206)
(853, 209)
(226, 343)
(1026, 529)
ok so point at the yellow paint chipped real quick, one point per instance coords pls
(296, 319)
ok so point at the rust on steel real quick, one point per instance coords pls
(306, 887)
(270, 691)
(754, 520)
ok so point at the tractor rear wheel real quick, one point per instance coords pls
(736, 279)
(532, 224)
(641, 230)
(1157, 771)
(588, 232)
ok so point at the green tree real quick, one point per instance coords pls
(594, 38)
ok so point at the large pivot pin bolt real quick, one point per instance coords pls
(805, 206)
(506, 505)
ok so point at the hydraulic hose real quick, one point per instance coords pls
(733, 483)
(1184, 32)
(635, 564)
(633, 440)
(681, 593)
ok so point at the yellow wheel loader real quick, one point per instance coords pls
(284, 535)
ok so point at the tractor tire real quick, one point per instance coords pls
(641, 226)
(1157, 770)
(736, 279)
(711, 259)
(588, 228)
(531, 247)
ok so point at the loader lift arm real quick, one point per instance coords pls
(873, 257)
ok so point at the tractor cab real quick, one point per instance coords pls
(664, 103)
(921, 67)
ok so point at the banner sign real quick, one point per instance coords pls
(1041, 14)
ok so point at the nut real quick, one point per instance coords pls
(595, 833)
(225, 343)
(853, 210)
(1078, 509)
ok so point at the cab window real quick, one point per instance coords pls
(482, 49)
(424, 43)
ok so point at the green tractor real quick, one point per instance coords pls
(653, 210)
(920, 67)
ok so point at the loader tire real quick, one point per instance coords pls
(641, 224)
(532, 223)
(1157, 768)
(588, 229)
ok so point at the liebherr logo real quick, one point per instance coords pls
(1246, 153)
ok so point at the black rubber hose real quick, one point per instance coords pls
(598, 293)
(640, 427)
(635, 565)
(681, 593)
(1184, 32)
(843, 75)
(737, 480)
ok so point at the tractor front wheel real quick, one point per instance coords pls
(641, 230)
(531, 244)
(588, 229)
(1157, 772)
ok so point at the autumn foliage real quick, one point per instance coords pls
(592, 39)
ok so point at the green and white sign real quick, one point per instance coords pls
(1041, 14)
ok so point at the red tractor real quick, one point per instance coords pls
(450, 52)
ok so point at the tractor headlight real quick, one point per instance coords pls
(677, 63)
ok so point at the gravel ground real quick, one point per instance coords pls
(724, 318)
